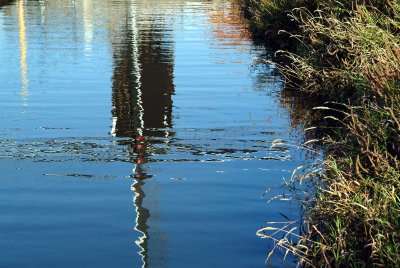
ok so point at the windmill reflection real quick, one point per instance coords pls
(142, 83)
(142, 86)
(5, 2)
(142, 215)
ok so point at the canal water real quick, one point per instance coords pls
(137, 133)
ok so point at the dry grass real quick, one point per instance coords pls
(349, 52)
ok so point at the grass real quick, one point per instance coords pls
(347, 53)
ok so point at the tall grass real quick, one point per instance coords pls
(348, 53)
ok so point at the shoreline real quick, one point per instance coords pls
(348, 55)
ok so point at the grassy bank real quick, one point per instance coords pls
(347, 53)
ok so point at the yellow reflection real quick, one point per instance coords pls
(24, 48)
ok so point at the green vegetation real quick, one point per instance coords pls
(347, 53)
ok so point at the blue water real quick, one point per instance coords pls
(137, 134)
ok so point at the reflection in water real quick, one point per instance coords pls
(142, 45)
(23, 48)
(4, 2)
(88, 24)
(142, 215)
(142, 85)
(142, 107)
(42, 5)
(223, 18)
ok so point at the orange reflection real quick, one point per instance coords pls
(228, 25)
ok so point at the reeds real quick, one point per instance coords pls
(348, 53)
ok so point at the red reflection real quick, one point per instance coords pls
(139, 145)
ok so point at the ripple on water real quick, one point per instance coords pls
(182, 145)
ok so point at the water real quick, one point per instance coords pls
(137, 134)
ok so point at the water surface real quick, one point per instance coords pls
(136, 134)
